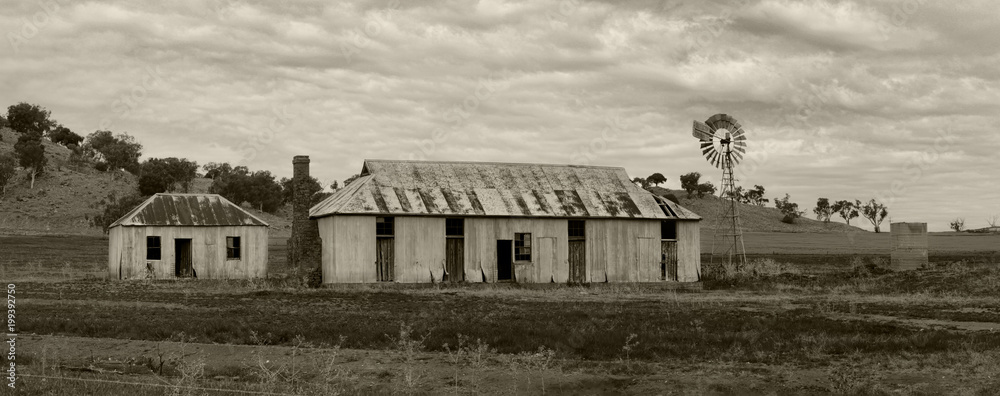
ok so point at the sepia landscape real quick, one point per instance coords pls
(568, 198)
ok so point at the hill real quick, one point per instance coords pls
(752, 218)
(68, 195)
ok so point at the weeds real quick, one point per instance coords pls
(408, 347)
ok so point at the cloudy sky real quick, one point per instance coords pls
(893, 100)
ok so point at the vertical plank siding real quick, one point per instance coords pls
(616, 250)
(127, 246)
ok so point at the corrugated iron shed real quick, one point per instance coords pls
(188, 210)
(496, 189)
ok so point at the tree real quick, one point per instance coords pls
(823, 210)
(259, 188)
(656, 179)
(706, 188)
(958, 224)
(874, 211)
(333, 186)
(993, 220)
(166, 175)
(118, 151)
(31, 154)
(113, 208)
(29, 118)
(689, 182)
(348, 180)
(313, 186)
(788, 208)
(214, 169)
(756, 196)
(64, 136)
(8, 169)
(640, 182)
(846, 209)
(738, 195)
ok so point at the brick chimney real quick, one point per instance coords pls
(303, 246)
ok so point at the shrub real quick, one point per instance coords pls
(314, 278)
(671, 198)
(101, 166)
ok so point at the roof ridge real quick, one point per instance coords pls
(496, 163)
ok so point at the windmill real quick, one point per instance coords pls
(723, 143)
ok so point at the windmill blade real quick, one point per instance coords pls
(737, 157)
(741, 150)
(709, 156)
(706, 147)
(738, 132)
(702, 131)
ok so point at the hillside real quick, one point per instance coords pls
(68, 195)
(753, 218)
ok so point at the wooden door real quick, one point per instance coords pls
(577, 261)
(668, 260)
(505, 264)
(183, 266)
(455, 259)
(384, 258)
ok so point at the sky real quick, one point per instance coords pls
(897, 101)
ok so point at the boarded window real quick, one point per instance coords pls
(152, 248)
(384, 226)
(522, 247)
(577, 229)
(233, 248)
(668, 229)
(454, 227)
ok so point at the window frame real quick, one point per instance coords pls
(449, 228)
(234, 248)
(522, 247)
(571, 226)
(159, 247)
(380, 226)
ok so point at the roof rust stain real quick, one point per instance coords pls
(404, 202)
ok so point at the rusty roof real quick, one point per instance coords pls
(188, 210)
(496, 189)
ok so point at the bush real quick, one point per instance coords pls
(314, 278)
(671, 198)
(101, 166)
(789, 219)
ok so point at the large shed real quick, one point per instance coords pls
(422, 221)
(187, 235)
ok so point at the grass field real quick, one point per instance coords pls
(794, 323)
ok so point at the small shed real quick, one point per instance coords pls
(436, 221)
(187, 235)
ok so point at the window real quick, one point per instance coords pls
(233, 248)
(522, 247)
(577, 229)
(668, 229)
(384, 226)
(454, 227)
(152, 248)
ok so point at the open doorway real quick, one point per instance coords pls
(505, 266)
(183, 266)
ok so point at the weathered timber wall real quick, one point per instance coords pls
(127, 252)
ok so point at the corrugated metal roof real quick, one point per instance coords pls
(496, 189)
(188, 210)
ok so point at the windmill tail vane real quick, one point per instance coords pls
(723, 143)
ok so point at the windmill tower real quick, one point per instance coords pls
(723, 143)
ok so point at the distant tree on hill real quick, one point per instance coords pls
(257, 188)
(689, 182)
(31, 154)
(64, 136)
(706, 188)
(656, 179)
(788, 208)
(738, 195)
(117, 151)
(288, 189)
(353, 177)
(333, 186)
(29, 118)
(756, 196)
(8, 169)
(993, 220)
(642, 183)
(113, 207)
(823, 210)
(958, 224)
(214, 169)
(158, 175)
(874, 211)
(846, 209)
(3, 124)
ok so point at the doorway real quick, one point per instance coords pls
(505, 266)
(183, 266)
